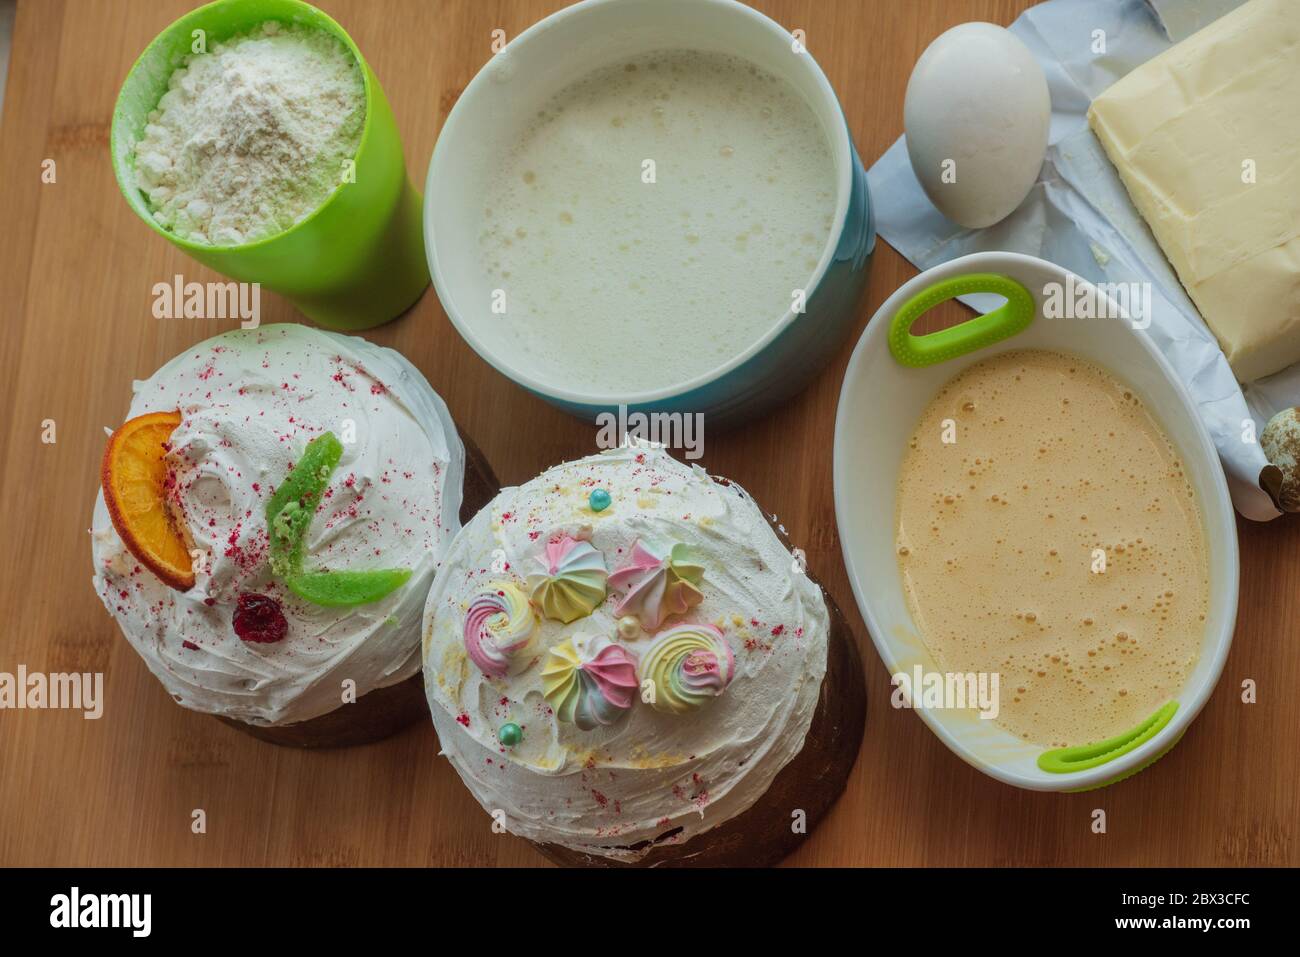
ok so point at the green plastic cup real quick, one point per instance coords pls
(358, 260)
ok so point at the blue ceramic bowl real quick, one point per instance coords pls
(554, 52)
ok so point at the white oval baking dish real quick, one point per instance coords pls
(880, 403)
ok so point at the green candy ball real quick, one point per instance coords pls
(510, 734)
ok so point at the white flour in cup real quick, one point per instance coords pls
(252, 136)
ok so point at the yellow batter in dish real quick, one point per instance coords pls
(1048, 532)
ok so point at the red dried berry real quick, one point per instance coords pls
(259, 619)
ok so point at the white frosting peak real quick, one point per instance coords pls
(250, 401)
(649, 773)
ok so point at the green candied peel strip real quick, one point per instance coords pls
(1085, 756)
(290, 511)
(344, 589)
(288, 517)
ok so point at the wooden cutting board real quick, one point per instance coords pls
(76, 270)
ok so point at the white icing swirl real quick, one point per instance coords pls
(250, 402)
(602, 790)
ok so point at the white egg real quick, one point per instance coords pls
(977, 115)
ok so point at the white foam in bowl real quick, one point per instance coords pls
(502, 102)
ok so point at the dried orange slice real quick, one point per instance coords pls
(133, 476)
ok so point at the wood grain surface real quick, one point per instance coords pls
(76, 270)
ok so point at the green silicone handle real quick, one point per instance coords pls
(1085, 756)
(1002, 323)
(1127, 774)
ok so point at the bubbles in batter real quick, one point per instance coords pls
(616, 284)
(1056, 540)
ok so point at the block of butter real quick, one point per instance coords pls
(1206, 138)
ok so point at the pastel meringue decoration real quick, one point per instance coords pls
(589, 681)
(500, 629)
(572, 582)
(656, 586)
(689, 666)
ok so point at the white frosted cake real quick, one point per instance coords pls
(620, 655)
(271, 627)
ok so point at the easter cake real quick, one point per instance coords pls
(268, 527)
(625, 665)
